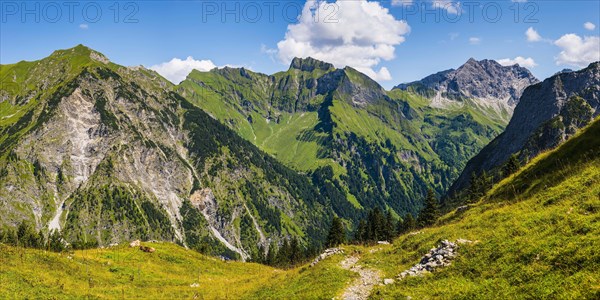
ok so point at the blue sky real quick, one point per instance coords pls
(392, 41)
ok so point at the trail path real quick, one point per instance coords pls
(361, 288)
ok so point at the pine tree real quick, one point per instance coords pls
(361, 232)
(430, 213)
(389, 226)
(55, 241)
(11, 237)
(295, 252)
(27, 237)
(474, 188)
(283, 255)
(407, 224)
(512, 166)
(337, 234)
(400, 227)
(271, 255)
(375, 225)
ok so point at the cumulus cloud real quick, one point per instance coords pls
(84, 26)
(520, 60)
(450, 6)
(589, 26)
(578, 51)
(360, 35)
(474, 41)
(401, 2)
(177, 69)
(532, 35)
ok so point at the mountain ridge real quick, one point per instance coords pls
(548, 113)
(108, 153)
(486, 82)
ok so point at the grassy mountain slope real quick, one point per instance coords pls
(382, 148)
(539, 243)
(170, 272)
(107, 153)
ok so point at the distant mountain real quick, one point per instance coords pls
(483, 83)
(548, 113)
(107, 154)
(378, 148)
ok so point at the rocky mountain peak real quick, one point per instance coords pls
(548, 113)
(310, 64)
(485, 81)
(81, 51)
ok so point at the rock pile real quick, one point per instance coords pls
(327, 253)
(436, 258)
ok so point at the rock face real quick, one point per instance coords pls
(310, 64)
(486, 82)
(105, 153)
(436, 258)
(547, 114)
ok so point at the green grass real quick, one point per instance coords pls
(123, 272)
(542, 243)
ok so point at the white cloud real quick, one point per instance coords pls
(474, 41)
(84, 26)
(578, 51)
(453, 35)
(402, 2)
(589, 26)
(532, 35)
(522, 61)
(176, 69)
(450, 6)
(360, 35)
(519, 1)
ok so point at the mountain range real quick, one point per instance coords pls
(374, 147)
(230, 161)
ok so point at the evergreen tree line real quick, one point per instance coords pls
(290, 254)
(26, 236)
(380, 226)
(481, 183)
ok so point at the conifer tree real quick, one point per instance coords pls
(512, 166)
(283, 255)
(431, 212)
(389, 226)
(271, 256)
(295, 252)
(361, 232)
(409, 223)
(337, 234)
(400, 226)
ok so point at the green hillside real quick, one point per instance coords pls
(535, 235)
(105, 153)
(378, 148)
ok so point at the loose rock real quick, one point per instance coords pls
(436, 258)
(327, 253)
(135, 243)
